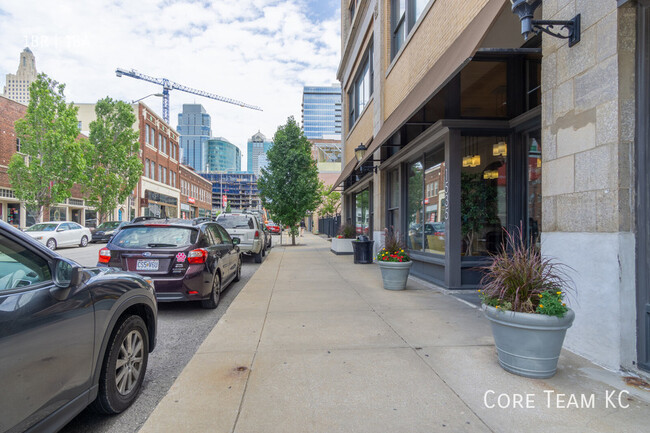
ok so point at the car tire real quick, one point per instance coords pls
(84, 241)
(238, 272)
(258, 257)
(213, 301)
(51, 244)
(129, 344)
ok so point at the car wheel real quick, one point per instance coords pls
(51, 244)
(215, 294)
(124, 367)
(84, 241)
(238, 274)
(258, 257)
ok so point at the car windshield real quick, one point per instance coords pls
(42, 228)
(109, 225)
(235, 221)
(155, 237)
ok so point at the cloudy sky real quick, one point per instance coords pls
(261, 52)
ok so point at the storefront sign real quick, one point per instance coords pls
(224, 200)
(190, 200)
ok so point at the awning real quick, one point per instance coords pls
(447, 66)
(349, 168)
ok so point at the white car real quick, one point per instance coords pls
(60, 234)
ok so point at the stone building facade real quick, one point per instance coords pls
(553, 136)
(17, 85)
(196, 194)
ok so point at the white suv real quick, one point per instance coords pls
(247, 228)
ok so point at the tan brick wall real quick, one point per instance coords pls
(443, 23)
(361, 133)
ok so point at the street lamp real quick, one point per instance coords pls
(359, 153)
(159, 95)
(525, 9)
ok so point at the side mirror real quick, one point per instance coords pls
(67, 274)
(60, 230)
(236, 241)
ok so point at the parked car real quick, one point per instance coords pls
(273, 227)
(106, 231)
(247, 228)
(60, 234)
(188, 260)
(69, 336)
(268, 241)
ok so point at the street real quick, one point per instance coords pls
(182, 327)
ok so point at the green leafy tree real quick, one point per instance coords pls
(113, 165)
(330, 201)
(228, 210)
(289, 185)
(50, 159)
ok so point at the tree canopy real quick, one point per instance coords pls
(113, 165)
(289, 185)
(50, 160)
(330, 201)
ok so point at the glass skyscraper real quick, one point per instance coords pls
(194, 130)
(321, 111)
(223, 155)
(258, 145)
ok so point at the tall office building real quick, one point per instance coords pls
(321, 111)
(194, 130)
(223, 156)
(257, 145)
(17, 85)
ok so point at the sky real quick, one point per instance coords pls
(261, 52)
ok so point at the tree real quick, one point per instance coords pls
(50, 159)
(289, 185)
(228, 210)
(330, 201)
(113, 165)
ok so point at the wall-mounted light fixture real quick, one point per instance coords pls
(525, 10)
(500, 148)
(359, 153)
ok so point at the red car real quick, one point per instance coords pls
(273, 227)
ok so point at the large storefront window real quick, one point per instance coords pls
(534, 187)
(58, 214)
(13, 214)
(483, 195)
(160, 205)
(414, 206)
(393, 200)
(434, 202)
(362, 219)
(91, 218)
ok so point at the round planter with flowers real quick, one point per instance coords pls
(523, 298)
(394, 263)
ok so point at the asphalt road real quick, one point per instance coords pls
(182, 327)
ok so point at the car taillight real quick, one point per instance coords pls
(104, 255)
(196, 257)
(257, 234)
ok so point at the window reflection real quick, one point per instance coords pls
(483, 195)
(434, 202)
(415, 238)
(362, 212)
(534, 187)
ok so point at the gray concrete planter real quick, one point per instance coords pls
(528, 344)
(395, 274)
(342, 246)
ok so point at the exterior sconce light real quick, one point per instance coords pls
(525, 9)
(359, 153)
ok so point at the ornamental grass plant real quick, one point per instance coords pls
(520, 279)
(394, 249)
(347, 231)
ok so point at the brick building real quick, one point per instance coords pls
(449, 91)
(196, 194)
(11, 209)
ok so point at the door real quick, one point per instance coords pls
(63, 234)
(46, 344)
(233, 256)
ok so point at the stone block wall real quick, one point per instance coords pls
(588, 184)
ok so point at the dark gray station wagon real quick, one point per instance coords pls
(69, 336)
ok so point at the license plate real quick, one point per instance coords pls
(147, 265)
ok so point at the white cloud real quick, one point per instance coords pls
(258, 51)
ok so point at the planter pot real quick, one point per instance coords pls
(528, 344)
(341, 246)
(395, 274)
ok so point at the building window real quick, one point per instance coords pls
(414, 206)
(17, 144)
(160, 173)
(362, 210)
(433, 229)
(146, 134)
(404, 15)
(352, 9)
(361, 89)
(146, 168)
(153, 170)
(162, 144)
(393, 200)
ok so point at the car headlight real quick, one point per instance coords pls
(109, 233)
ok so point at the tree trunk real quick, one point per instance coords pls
(293, 239)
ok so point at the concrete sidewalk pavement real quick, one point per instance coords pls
(313, 343)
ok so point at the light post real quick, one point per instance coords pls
(159, 95)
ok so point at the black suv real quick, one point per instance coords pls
(69, 335)
(188, 260)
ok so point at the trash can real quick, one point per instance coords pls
(362, 248)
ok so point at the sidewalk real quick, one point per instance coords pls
(313, 343)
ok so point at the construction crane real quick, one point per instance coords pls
(171, 85)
